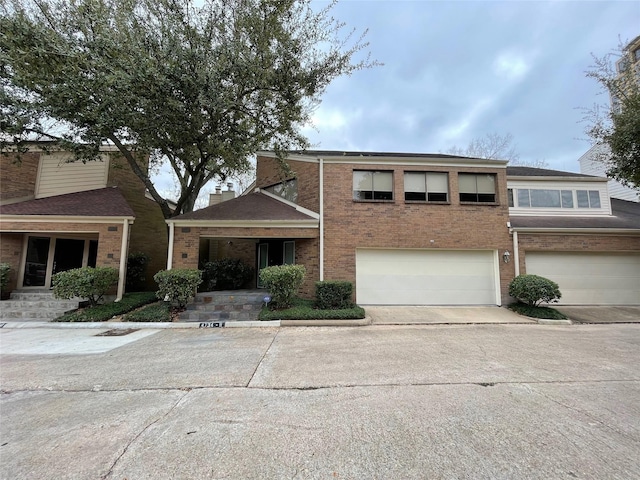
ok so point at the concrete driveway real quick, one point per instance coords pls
(601, 314)
(498, 401)
(413, 315)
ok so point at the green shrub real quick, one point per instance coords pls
(5, 271)
(87, 282)
(534, 290)
(283, 282)
(537, 312)
(302, 309)
(226, 274)
(136, 271)
(333, 295)
(177, 286)
(102, 313)
(156, 312)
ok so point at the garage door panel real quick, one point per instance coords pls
(590, 278)
(425, 277)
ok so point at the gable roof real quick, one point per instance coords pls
(517, 171)
(256, 206)
(625, 215)
(102, 202)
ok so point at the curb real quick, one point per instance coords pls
(547, 321)
(361, 322)
(137, 325)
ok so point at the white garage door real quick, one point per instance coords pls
(425, 277)
(590, 278)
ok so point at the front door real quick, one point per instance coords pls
(275, 252)
(46, 256)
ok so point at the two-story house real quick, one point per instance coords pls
(424, 229)
(56, 215)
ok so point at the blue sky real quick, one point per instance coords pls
(457, 70)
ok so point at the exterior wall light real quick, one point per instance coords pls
(506, 256)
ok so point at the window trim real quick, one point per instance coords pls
(477, 194)
(426, 189)
(373, 190)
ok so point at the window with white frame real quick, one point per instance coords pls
(426, 186)
(287, 190)
(588, 198)
(554, 198)
(477, 187)
(372, 185)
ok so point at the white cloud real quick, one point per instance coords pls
(511, 65)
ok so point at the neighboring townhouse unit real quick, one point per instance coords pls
(56, 215)
(591, 164)
(422, 229)
(566, 227)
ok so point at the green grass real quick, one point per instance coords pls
(102, 313)
(156, 312)
(537, 312)
(303, 309)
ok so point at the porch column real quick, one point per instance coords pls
(124, 249)
(170, 251)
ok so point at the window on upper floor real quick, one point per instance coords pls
(622, 65)
(287, 190)
(636, 55)
(477, 187)
(372, 185)
(426, 186)
(510, 196)
(553, 198)
(588, 198)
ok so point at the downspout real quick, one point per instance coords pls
(124, 249)
(516, 253)
(170, 252)
(321, 220)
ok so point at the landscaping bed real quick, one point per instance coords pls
(105, 312)
(303, 309)
(546, 313)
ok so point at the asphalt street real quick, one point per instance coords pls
(501, 401)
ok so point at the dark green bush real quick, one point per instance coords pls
(283, 283)
(177, 286)
(333, 295)
(156, 312)
(87, 282)
(102, 313)
(534, 290)
(5, 270)
(537, 312)
(302, 309)
(226, 274)
(136, 271)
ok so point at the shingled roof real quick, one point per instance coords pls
(251, 207)
(542, 172)
(102, 202)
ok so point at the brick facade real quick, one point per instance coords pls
(18, 176)
(353, 224)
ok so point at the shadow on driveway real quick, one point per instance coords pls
(604, 314)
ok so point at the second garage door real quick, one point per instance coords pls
(590, 278)
(426, 277)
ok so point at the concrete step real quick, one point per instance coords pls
(218, 316)
(30, 313)
(50, 304)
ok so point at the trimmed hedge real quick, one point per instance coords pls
(102, 313)
(226, 274)
(333, 295)
(302, 309)
(534, 290)
(5, 270)
(283, 283)
(177, 286)
(87, 282)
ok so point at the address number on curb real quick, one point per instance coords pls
(211, 324)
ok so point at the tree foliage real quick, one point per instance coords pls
(497, 147)
(616, 125)
(202, 85)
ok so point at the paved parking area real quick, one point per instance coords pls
(415, 401)
(419, 315)
(595, 314)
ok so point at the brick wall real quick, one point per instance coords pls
(269, 172)
(10, 252)
(18, 178)
(574, 243)
(149, 233)
(396, 224)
